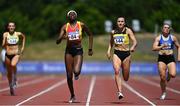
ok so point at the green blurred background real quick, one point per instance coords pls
(40, 21)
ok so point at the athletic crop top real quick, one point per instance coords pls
(12, 39)
(74, 33)
(167, 41)
(120, 37)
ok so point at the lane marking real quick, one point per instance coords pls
(27, 83)
(43, 92)
(93, 80)
(137, 93)
(20, 78)
(157, 85)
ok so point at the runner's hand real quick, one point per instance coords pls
(132, 49)
(90, 52)
(58, 41)
(108, 55)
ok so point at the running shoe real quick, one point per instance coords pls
(163, 96)
(14, 81)
(76, 77)
(120, 95)
(72, 99)
(15, 84)
(11, 90)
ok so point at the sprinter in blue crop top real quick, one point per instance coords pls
(164, 44)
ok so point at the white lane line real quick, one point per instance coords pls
(138, 94)
(157, 85)
(20, 78)
(43, 92)
(3, 81)
(93, 80)
(27, 83)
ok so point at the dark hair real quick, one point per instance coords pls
(122, 17)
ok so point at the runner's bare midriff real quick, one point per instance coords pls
(122, 47)
(12, 49)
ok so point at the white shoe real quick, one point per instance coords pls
(120, 95)
(163, 96)
(72, 99)
(14, 81)
(15, 84)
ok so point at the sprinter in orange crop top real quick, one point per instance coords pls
(72, 32)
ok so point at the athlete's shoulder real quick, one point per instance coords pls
(128, 29)
(81, 23)
(173, 37)
(5, 34)
(112, 32)
(77, 21)
(18, 33)
(65, 25)
(158, 37)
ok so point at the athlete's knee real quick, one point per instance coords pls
(126, 74)
(69, 80)
(126, 78)
(116, 72)
(13, 65)
(77, 71)
(69, 75)
(173, 75)
(163, 78)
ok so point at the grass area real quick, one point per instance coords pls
(48, 50)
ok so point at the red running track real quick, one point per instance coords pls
(89, 89)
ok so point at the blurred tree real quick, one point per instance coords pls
(91, 16)
(42, 19)
(54, 16)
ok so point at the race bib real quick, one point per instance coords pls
(74, 35)
(119, 39)
(168, 46)
(12, 40)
